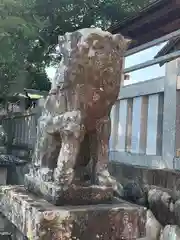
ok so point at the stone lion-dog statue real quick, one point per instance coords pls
(73, 132)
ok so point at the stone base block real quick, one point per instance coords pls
(37, 219)
(74, 195)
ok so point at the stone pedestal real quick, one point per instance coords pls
(73, 195)
(37, 219)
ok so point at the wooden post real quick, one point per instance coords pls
(169, 116)
(154, 125)
(114, 126)
(139, 125)
(177, 139)
(122, 75)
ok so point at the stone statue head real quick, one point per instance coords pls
(90, 56)
(91, 43)
(92, 48)
(94, 39)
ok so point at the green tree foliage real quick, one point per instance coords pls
(68, 15)
(29, 31)
(19, 29)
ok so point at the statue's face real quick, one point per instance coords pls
(104, 51)
(103, 44)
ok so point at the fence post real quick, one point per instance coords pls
(114, 129)
(169, 117)
(177, 145)
(10, 129)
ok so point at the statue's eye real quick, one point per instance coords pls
(98, 45)
(117, 47)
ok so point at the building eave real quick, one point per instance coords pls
(158, 19)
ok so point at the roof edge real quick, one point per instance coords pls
(127, 21)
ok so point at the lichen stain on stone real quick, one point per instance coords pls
(55, 227)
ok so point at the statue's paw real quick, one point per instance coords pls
(105, 179)
(118, 190)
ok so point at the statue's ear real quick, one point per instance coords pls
(75, 37)
(122, 42)
(128, 41)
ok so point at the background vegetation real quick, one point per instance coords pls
(29, 31)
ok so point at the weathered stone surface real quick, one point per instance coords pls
(177, 212)
(164, 189)
(39, 220)
(73, 195)
(164, 179)
(162, 206)
(153, 227)
(134, 192)
(170, 232)
(74, 130)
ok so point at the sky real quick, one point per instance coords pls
(146, 73)
(140, 75)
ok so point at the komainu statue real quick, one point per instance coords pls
(70, 163)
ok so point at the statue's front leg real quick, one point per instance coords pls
(64, 173)
(46, 150)
(72, 134)
(103, 177)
